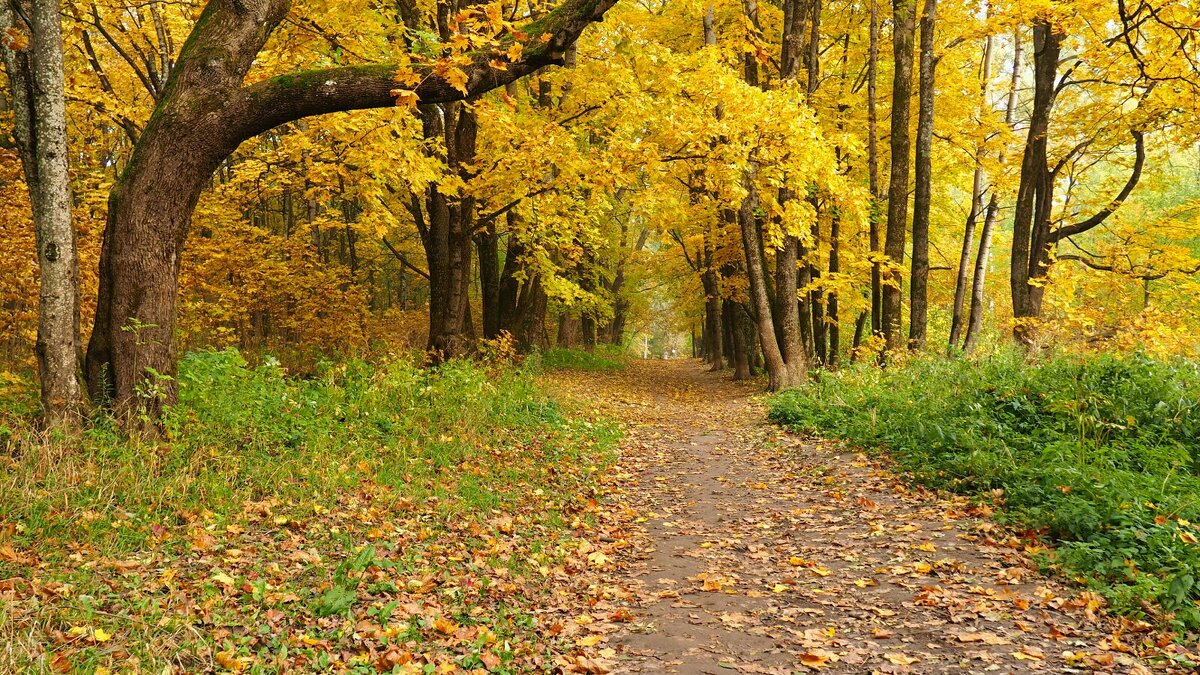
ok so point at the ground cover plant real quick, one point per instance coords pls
(371, 517)
(603, 358)
(1097, 455)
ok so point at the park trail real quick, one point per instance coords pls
(759, 551)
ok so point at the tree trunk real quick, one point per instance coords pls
(779, 372)
(1034, 234)
(918, 317)
(860, 326)
(958, 317)
(964, 260)
(529, 326)
(873, 173)
(36, 82)
(975, 321)
(741, 339)
(448, 239)
(568, 331)
(714, 347)
(897, 218)
(487, 244)
(1026, 299)
(835, 329)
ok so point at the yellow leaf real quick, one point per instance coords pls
(899, 659)
(817, 659)
(101, 635)
(405, 98)
(223, 579)
(589, 641)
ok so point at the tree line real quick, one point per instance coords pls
(508, 164)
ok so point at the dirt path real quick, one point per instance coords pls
(762, 552)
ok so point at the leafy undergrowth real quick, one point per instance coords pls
(373, 518)
(1097, 455)
(603, 358)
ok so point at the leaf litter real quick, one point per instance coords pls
(758, 551)
(715, 544)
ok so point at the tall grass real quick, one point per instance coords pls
(1100, 454)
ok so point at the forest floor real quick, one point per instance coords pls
(758, 551)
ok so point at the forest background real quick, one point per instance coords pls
(264, 213)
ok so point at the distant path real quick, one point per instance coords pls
(765, 552)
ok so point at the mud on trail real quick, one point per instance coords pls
(757, 551)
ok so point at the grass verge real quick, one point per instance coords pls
(1097, 455)
(603, 358)
(371, 518)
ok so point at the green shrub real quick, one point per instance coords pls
(1099, 453)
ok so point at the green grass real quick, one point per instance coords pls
(604, 358)
(1099, 455)
(375, 477)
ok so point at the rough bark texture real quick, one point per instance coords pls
(36, 82)
(897, 215)
(446, 228)
(918, 316)
(204, 113)
(714, 343)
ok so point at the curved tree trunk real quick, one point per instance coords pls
(205, 112)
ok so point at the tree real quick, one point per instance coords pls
(923, 179)
(205, 111)
(35, 73)
(1035, 235)
(897, 215)
(991, 214)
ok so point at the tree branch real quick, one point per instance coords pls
(1102, 214)
(404, 259)
(285, 98)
